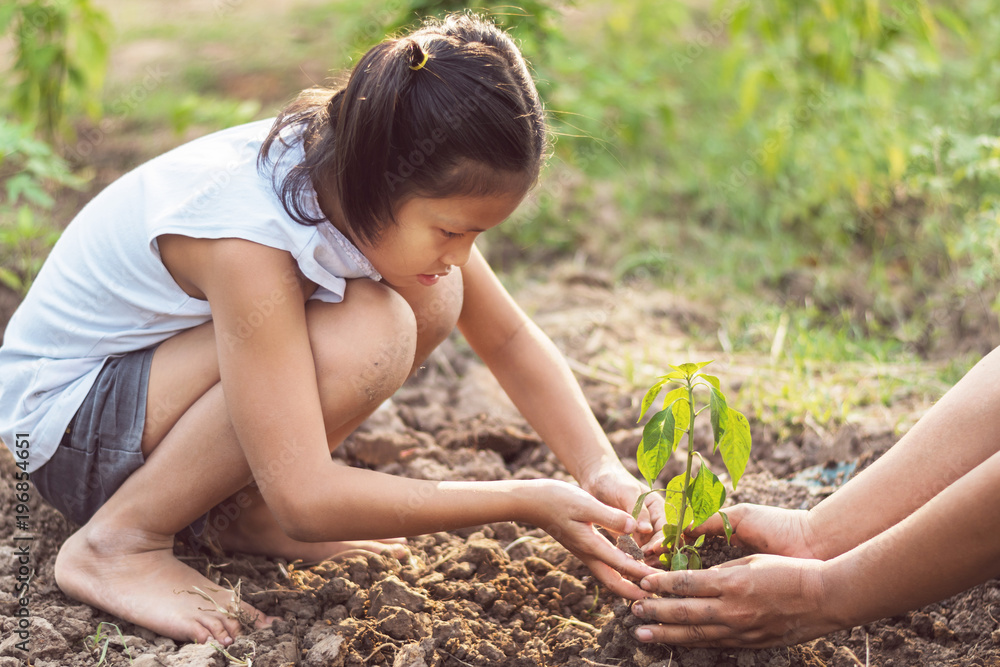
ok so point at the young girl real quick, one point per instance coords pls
(229, 312)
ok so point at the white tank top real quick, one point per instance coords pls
(103, 291)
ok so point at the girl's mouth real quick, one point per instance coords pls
(428, 279)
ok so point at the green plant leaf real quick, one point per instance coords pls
(711, 379)
(639, 502)
(652, 455)
(735, 445)
(681, 410)
(708, 493)
(650, 396)
(673, 395)
(669, 535)
(694, 559)
(689, 369)
(665, 560)
(11, 279)
(672, 503)
(726, 526)
(700, 541)
(679, 561)
(719, 411)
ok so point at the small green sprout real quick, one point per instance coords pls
(690, 498)
(94, 642)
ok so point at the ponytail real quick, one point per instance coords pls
(449, 110)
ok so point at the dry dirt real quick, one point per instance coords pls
(502, 594)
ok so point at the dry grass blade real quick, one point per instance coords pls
(234, 609)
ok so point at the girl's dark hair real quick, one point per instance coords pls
(448, 110)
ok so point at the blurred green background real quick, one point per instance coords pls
(824, 169)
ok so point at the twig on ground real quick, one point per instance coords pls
(233, 610)
(456, 658)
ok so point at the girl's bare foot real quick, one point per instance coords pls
(255, 531)
(135, 576)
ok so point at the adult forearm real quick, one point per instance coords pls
(960, 432)
(946, 546)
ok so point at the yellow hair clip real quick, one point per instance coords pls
(422, 63)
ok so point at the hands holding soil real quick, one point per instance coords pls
(773, 597)
(911, 529)
(569, 515)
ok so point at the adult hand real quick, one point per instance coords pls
(614, 486)
(753, 602)
(570, 514)
(765, 529)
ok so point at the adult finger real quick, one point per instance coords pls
(687, 635)
(645, 523)
(687, 583)
(689, 621)
(599, 548)
(614, 581)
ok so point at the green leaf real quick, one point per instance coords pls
(665, 560)
(708, 493)
(672, 503)
(689, 369)
(673, 395)
(650, 396)
(669, 535)
(735, 445)
(652, 454)
(681, 411)
(712, 380)
(639, 502)
(719, 410)
(700, 541)
(7, 11)
(679, 561)
(694, 559)
(11, 279)
(726, 526)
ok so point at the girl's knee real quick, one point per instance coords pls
(366, 343)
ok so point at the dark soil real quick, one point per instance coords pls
(502, 594)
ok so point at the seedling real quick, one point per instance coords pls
(94, 642)
(692, 497)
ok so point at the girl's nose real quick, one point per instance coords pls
(458, 255)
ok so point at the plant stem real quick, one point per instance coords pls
(687, 471)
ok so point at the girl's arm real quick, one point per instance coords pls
(270, 384)
(540, 383)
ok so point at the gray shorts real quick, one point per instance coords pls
(102, 445)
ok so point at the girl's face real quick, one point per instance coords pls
(433, 235)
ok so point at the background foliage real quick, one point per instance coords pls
(826, 172)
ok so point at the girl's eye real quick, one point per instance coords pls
(450, 235)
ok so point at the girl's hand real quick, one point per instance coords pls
(764, 529)
(570, 514)
(614, 486)
(752, 602)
